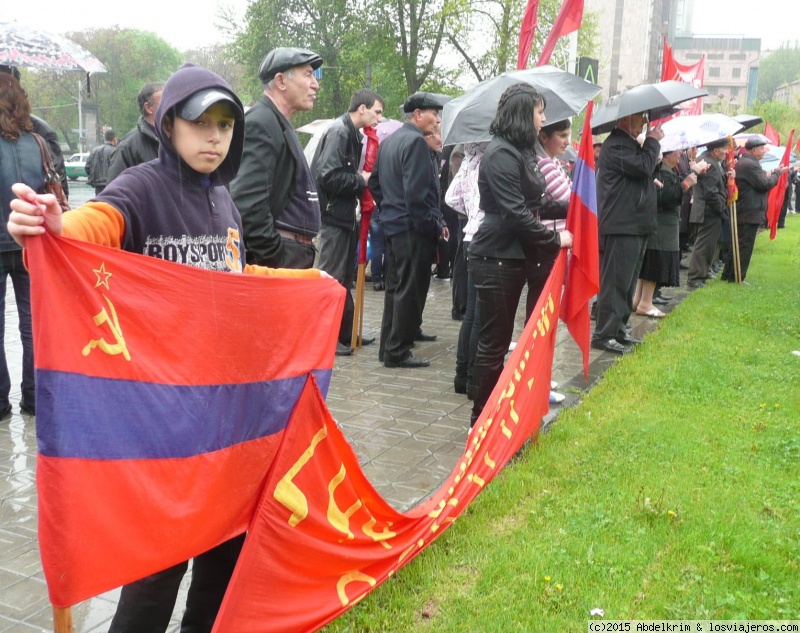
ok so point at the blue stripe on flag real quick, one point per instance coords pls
(583, 183)
(101, 418)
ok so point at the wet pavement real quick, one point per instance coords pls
(407, 426)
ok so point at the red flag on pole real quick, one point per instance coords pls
(583, 273)
(568, 20)
(690, 74)
(526, 32)
(777, 193)
(773, 135)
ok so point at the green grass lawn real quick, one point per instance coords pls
(672, 491)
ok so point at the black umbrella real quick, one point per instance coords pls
(748, 120)
(657, 100)
(466, 119)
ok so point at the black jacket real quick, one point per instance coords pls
(669, 208)
(405, 185)
(626, 193)
(512, 191)
(43, 129)
(266, 180)
(98, 164)
(138, 146)
(711, 191)
(754, 185)
(335, 170)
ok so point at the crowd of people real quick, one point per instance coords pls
(490, 216)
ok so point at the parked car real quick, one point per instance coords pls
(76, 165)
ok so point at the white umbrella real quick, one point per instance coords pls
(683, 132)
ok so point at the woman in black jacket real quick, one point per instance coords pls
(512, 247)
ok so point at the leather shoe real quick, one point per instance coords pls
(5, 412)
(630, 340)
(343, 350)
(660, 301)
(409, 362)
(27, 408)
(613, 346)
(661, 295)
(421, 336)
(367, 340)
(696, 284)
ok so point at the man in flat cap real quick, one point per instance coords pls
(709, 209)
(626, 209)
(340, 185)
(751, 208)
(275, 191)
(406, 190)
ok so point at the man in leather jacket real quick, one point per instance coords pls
(340, 185)
(140, 145)
(709, 209)
(275, 191)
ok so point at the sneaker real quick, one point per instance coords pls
(557, 398)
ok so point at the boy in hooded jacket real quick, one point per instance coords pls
(175, 208)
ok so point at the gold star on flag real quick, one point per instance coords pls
(102, 276)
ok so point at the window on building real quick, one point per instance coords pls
(738, 57)
(715, 56)
(713, 90)
(693, 55)
(736, 73)
(734, 92)
(713, 71)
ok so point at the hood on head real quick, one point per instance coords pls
(183, 84)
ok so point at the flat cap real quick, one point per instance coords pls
(281, 59)
(722, 142)
(754, 142)
(425, 101)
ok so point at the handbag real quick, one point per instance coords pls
(52, 181)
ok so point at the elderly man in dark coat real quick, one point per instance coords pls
(274, 190)
(709, 209)
(626, 204)
(405, 186)
(751, 208)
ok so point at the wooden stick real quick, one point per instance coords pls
(62, 620)
(358, 308)
(737, 262)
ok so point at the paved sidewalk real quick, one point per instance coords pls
(407, 426)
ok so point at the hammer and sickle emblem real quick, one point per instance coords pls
(113, 349)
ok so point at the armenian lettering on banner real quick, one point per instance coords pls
(323, 538)
(163, 392)
(180, 407)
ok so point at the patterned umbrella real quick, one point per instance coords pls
(25, 46)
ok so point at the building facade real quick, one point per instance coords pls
(731, 70)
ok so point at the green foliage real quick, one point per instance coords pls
(670, 492)
(781, 116)
(132, 58)
(779, 67)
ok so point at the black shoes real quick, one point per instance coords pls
(613, 346)
(27, 409)
(378, 286)
(343, 350)
(630, 340)
(660, 301)
(696, 284)
(5, 412)
(409, 362)
(421, 336)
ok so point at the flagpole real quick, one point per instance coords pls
(62, 620)
(737, 265)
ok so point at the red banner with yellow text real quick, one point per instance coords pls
(323, 538)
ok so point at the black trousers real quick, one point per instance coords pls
(296, 255)
(459, 279)
(499, 284)
(620, 263)
(146, 606)
(747, 240)
(408, 278)
(336, 255)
